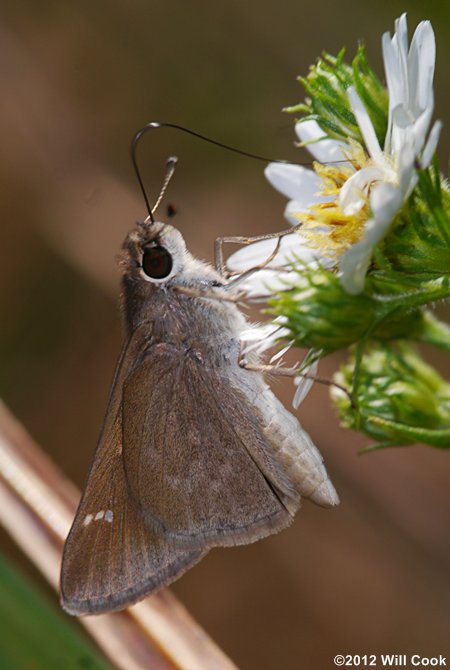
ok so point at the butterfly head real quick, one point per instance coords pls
(154, 252)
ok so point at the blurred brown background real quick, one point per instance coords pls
(77, 80)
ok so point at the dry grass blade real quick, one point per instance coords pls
(37, 505)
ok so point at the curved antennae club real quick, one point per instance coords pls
(171, 164)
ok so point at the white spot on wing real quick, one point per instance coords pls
(98, 516)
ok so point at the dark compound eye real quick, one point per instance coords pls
(157, 262)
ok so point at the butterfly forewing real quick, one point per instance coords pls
(111, 557)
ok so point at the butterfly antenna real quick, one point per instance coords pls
(171, 167)
(171, 164)
(159, 124)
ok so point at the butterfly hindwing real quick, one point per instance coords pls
(186, 454)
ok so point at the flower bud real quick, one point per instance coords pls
(419, 325)
(320, 314)
(327, 102)
(398, 399)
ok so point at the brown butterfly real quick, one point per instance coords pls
(195, 452)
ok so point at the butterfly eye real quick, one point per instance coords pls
(157, 262)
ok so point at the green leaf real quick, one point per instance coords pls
(37, 636)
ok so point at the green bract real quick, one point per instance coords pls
(419, 241)
(327, 102)
(320, 314)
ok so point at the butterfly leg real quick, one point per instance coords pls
(221, 293)
(218, 248)
(220, 265)
(248, 273)
(275, 369)
(278, 371)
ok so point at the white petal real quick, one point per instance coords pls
(421, 63)
(258, 332)
(394, 73)
(385, 202)
(410, 83)
(431, 145)
(395, 56)
(401, 128)
(292, 247)
(304, 384)
(365, 125)
(309, 131)
(401, 31)
(420, 129)
(251, 255)
(400, 44)
(354, 193)
(259, 338)
(294, 181)
(293, 212)
(407, 129)
(262, 284)
(401, 35)
(407, 169)
(353, 265)
(295, 208)
(276, 357)
(401, 116)
(395, 84)
(318, 144)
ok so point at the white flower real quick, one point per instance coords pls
(391, 174)
(347, 204)
(347, 208)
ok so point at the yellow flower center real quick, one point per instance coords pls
(325, 225)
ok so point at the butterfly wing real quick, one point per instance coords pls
(111, 557)
(187, 455)
(182, 465)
